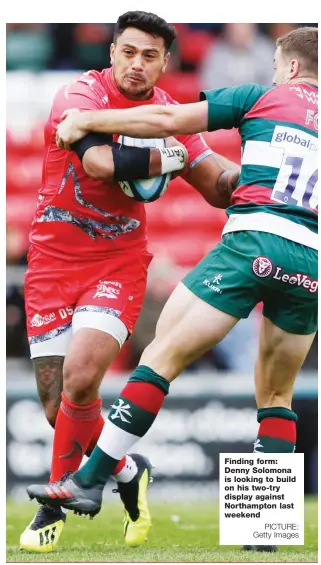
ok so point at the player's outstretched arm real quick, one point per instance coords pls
(222, 109)
(151, 121)
(143, 121)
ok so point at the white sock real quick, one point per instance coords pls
(128, 472)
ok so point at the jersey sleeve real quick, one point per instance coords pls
(197, 148)
(227, 106)
(84, 93)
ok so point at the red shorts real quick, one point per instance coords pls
(61, 297)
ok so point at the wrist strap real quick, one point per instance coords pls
(130, 163)
(173, 158)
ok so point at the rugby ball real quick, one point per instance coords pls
(150, 189)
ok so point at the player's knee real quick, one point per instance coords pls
(80, 381)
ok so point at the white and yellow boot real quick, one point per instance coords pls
(137, 519)
(44, 530)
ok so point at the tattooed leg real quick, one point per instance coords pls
(48, 372)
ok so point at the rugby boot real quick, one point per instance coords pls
(269, 548)
(137, 519)
(44, 530)
(69, 494)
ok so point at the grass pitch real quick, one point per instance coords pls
(180, 533)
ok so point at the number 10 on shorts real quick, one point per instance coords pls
(261, 499)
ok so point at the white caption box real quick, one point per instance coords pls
(261, 499)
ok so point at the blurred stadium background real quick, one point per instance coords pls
(211, 408)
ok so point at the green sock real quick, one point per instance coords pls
(132, 414)
(94, 471)
(277, 431)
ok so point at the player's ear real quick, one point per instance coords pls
(166, 59)
(294, 67)
(112, 53)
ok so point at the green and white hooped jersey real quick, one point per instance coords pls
(277, 189)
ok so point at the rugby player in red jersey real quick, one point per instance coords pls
(268, 253)
(88, 260)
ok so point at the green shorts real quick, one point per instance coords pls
(249, 267)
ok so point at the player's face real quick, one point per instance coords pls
(138, 60)
(285, 68)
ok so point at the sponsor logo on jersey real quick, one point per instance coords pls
(38, 320)
(262, 266)
(104, 288)
(297, 279)
(294, 140)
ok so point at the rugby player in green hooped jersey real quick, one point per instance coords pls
(268, 253)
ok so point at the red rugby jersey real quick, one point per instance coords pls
(80, 218)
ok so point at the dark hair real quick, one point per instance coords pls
(303, 44)
(148, 22)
